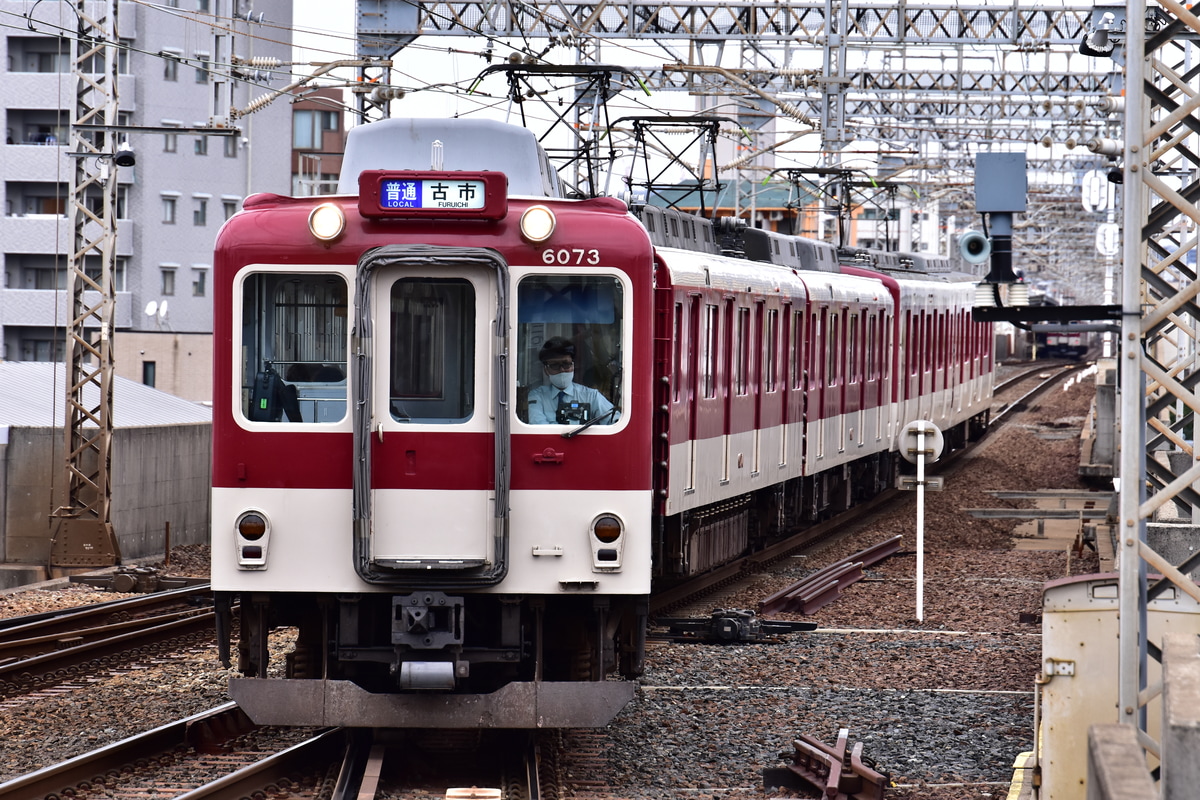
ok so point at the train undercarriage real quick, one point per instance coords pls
(434, 659)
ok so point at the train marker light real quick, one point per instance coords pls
(326, 222)
(607, 544)
(252, 537)
(607, 528)
(537, 223)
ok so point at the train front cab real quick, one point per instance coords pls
(380, 485)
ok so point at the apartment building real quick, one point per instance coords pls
(170, 204)
(318, 141)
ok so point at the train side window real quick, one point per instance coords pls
(741, 364)
(708, 356)
(677, 374)
(771, 350)
(432, 336)
(853, 364)
(293, 347)
(584, 314)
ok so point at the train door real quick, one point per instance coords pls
(693, 387)
(425, 386)
(855, 394)
(835, 399)
(817, 387)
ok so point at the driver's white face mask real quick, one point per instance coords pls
(561, 380)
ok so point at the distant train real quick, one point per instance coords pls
(463, 426)
(1064, 340)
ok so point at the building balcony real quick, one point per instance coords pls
(45, 308)
(35, 162)
(50, 233)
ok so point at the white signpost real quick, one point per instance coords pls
(920, 440)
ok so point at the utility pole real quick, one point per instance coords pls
(84, 536)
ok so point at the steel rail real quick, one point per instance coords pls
(14, 626)
(299, 758)
(91, 768)
(1019, 403)
(37, 645)
(48, 662)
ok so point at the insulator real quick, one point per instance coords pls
(796, 114)
(1111, 105)
(263, 62)
(258, 102)
(1105, 146)
(382, 94)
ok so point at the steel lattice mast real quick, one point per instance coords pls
(84, 535)
(1160, 324)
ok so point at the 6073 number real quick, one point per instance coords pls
(575, 255)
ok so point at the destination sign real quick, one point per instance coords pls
(413, 194)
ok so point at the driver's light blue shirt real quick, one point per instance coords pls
(543, 403)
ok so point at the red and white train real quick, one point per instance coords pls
(382, 481)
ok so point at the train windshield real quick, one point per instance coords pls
(569, 349)
(433, 350)
(294, 347)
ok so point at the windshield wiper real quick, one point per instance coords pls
(589, 423)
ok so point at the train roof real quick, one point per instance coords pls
(467, 144)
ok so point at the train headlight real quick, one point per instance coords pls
(608, 543)
(252, 534)
(537, 223)
(326, 222)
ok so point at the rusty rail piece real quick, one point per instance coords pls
(818, 590)
(838, 775)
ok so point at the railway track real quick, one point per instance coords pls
(63, 650)
(217, 755)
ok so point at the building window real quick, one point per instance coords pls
(202, 67)
(148, 368)
(168, 282)
(201, 146)
(170, 68)
(170, 142)
(230, 207)
(43, 349)
(199, 282)
(309, 126)
(169, 206)
(123, 48)
(200, 212)
(202, 5)
(231, 146)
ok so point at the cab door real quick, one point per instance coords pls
(431, 448)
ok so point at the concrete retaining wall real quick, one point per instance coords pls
(160, 474)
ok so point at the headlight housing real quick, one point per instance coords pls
(326, 222)
(607, 535)
(538, 223)
(252, 535)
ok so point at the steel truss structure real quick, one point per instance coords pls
(696, 20)
(932, 83)
(1160, 325)
(84, 534)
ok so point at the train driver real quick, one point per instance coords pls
(563, 401)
